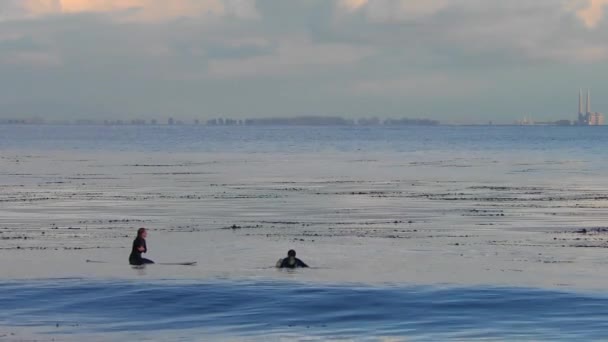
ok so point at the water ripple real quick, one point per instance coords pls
(246, 309)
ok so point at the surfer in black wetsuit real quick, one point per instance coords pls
(291, 261)
(139, 246)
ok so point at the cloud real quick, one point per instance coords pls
(593, 12)
(420, 85)
(31, 59)
(26, 51)
(343, 57)
(352, 5)
(590, 12)
(398, 10)
(293, 56)
(394, 10)
(384, 11)
(144, 9)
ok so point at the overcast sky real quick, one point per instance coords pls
(452, 60)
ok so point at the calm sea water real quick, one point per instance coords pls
(576, 140)
(271, 310)
(236, 309)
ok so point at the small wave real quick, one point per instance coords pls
(249, 309)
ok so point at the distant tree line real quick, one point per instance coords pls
(321, 121)
(293, 121)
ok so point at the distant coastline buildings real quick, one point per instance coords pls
(269, 121)
(322, 121)
(588, 118)
(585, 117)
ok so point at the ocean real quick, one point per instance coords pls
(453, 233)
(262, 310)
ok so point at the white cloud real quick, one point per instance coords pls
(144, 9)
(193, 54)
(592, 13)
(395, 10)
(419, 85)
(352, 5)
(31, 59)
(293, 56)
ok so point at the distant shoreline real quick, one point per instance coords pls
(299, 121)
(292, 121)
(97, 124)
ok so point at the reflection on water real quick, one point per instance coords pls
(259, 310)
(563, 140)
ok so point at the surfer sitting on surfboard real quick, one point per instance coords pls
(291, 261)
(139, 246)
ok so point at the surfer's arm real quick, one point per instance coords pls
(142, 247)
(301, 263)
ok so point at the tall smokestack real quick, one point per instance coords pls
(588, 100)
(580, 101)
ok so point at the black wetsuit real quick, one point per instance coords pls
(297, 263)
(135, 257)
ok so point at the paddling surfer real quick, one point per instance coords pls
(139, 247)
(291, 261)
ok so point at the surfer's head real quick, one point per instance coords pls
(291, 253)
(142, 233)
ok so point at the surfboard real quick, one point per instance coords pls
(188, 263)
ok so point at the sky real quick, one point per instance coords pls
(458, 61)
